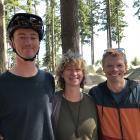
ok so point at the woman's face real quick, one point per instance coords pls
(73, 75)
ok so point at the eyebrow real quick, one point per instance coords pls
(34, 34)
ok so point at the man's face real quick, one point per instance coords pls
(26, 42)
(114, 68)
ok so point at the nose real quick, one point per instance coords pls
(73, 71)
(27, 40)
(115, 67)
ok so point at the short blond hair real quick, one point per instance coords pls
(114, 52)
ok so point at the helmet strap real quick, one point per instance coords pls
(26, 59)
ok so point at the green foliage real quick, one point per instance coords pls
(88, 16)
(92, 13)
(135, 62)
(13, 6)
(117, 22)
(136, 5)
(98, 62)
(46, 59)
(53, 32)
(11, 57)
(84, 19)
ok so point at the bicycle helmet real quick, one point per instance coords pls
(26, 20)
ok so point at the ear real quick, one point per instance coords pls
(103, 68)
(62, 75)
(126, 67)
(12, 43)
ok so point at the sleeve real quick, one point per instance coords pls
(53, 84)
(92, 91)
(50, 81)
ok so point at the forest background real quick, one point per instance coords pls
(85, 26)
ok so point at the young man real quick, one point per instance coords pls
(25, 91)
(117, 100)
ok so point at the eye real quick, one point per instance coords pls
(22, 37)
(78, 69)
(33, 38)
(109, 66)
(120, 65)
(68, 69)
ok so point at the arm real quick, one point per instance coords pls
(1, 138)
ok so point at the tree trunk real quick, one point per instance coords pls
(2, 50)
(92, 34)
(52, 33)
(69, 25)
(109, 40)
(92, 46)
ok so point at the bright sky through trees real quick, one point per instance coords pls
(131, 41)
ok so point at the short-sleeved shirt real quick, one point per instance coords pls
(24, 106)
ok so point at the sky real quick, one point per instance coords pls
(131, 41)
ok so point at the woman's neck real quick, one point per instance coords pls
(72, 94)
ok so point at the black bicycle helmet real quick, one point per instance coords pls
(26, 20)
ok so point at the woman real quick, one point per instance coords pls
(74, 113)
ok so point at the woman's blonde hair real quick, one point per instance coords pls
(67, 58)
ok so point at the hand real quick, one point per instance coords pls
(1, 138)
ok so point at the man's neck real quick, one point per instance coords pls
(24, 69)
(116, 86)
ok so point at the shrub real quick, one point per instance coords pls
(135, 62)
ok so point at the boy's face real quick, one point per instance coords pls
(114, 68)
(26, 42)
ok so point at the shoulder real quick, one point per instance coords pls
(96, 89)
(59, 93)
(47, 81)
(89, 100)
(47, 76)
(134, 90)
(4, 76)
(45, 73)
(3, 73)
(57, 97)
(87, 96)
(132, 84)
